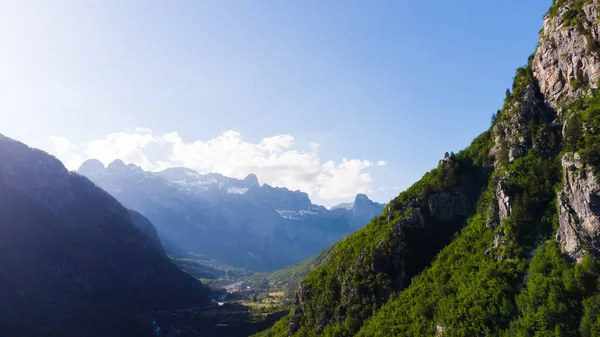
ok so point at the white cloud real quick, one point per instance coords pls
(61, 145)
(382, 163)
(274, 160)
(344, 179)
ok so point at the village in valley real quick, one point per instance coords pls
(237, 309)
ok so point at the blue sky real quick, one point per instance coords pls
(239, 86)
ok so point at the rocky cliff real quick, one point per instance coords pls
(579, 208)
(567, 60)
(567, 67)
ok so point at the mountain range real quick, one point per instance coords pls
(235, 221)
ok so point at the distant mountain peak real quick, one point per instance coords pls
(91, 166)
(361, 197)
(359, 200)
(116, 165)
(251, 180)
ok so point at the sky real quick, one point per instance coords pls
(332, 97)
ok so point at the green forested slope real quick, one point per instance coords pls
(289, 277)
(518, 256)
(368, 266)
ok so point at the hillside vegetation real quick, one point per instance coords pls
(500, 239)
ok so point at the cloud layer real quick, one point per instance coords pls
(275, 160)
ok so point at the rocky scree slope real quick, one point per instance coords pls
(73, 261)
(526, 263)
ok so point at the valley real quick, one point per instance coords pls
(145, 233)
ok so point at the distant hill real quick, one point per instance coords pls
(235, 221)
(73, 260)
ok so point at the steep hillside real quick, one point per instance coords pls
(236, 222)
(289, 277)
(365, 268)
(526, 262)
(73, 261)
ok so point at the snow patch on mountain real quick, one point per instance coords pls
(287, 214)
(237, 190)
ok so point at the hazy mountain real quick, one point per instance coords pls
(236, 221)
(344, 205)
(73, 260)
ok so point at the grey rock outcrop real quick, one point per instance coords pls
(448, 204)
(512, 134)
(579, 209)
(493, 219)
(439, 330)
(416, 217)
(504, 201)
(444, 206)
(565, 59)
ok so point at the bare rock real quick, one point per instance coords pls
(579, 209)
(448, 204)
(504, 201)
(416, 217)
(439, 331)
(493, 220)
(512, 133)
(565, 55)
(499, 239)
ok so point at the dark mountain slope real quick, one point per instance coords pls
(72, 262)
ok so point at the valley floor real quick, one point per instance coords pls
(222, 318)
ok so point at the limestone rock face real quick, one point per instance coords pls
(565, 59)
(579, 209)
(504, 201)
(513, 137)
